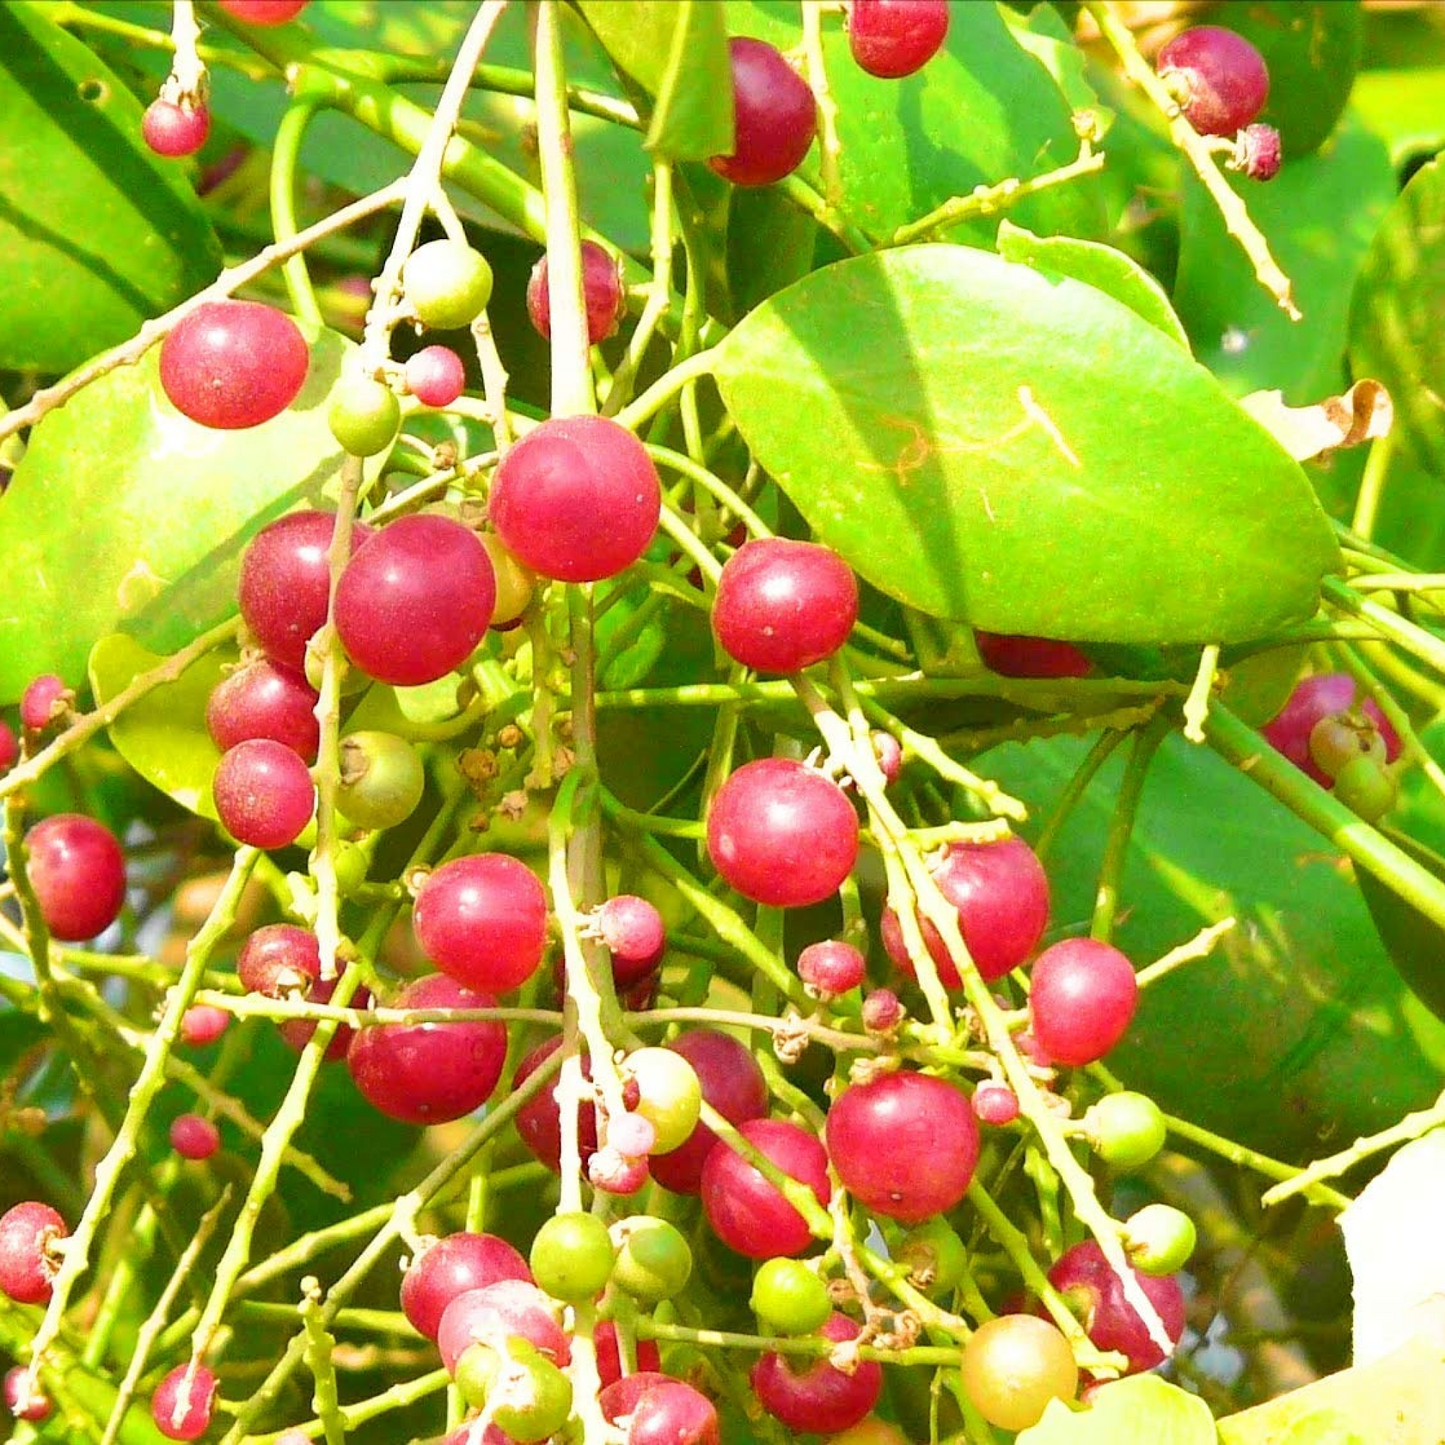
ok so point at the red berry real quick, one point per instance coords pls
(782, 834)
(183, 1413)
(483, 920)
(882, 1012)
(435, 375)
(233, 364)
(1257, 152)
(811, 1394)
(203, 1024)
(659, 1410)
(263, 12)
(1087, 1279)
(894, 38)
(635, 936)
(732, 1083)
(831, 968)
(9, 747)
(496, 1312)
(43, 701)
(747, 1212)
(430, 1073)
(539, 1121)
(262, 700)
(601, 288)
(175, 130)
(784, 605)
(904, 1145)
(193, 1137)
(450, 1267)
(78, 873)
(296, 1033)
(27, 1265)
(1222, 78)
(279, 961)
(1018, 656)
(20, 1402)
(609, 1354)
(1082, 996)
(889, 754)
(1314, 699)
(263, 793)
(415, 600)
(577, 499)
(995, 1104)
(774, 113)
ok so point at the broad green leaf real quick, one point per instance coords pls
(1395, 331)
(97, 234)
(1043, 33)
(987, 442)
(677, 50)
(1416, 944)
(1403, 108)
(1096, 265)
(124, 515)
(1142, 1410)
(1318, 215)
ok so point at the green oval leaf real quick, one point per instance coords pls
(79, 277)
(1141, 1410)
(988, 442)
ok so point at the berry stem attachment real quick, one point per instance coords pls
(187, 81)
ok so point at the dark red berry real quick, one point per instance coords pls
(43, 701)
(20, 1401)
(483, 920)
(9, 747)
(263, 12)
(748, 1212)
(577, 499)
(27, 1260)
(495, 1313)
(635, 936)
(435, 375)
(78, 873)
(774, 113)
(1082, 996)
(601, 288)
(203, 1024)
(193, 1137)
(1257, 152)
(1221, 78)
(451, 1266)
(609, 1354)
(539, 1121)
(1019, 656)
(882, 1012)
(995, 1104)
(831, 967)
(296, 1033)
(175, 130)
(233, 364)
(894, 38)
(782, 834)
(811, 1394)
(262, 700)
(263, 793)
(279, 961)
(181, 1411)
(658, 1410)
(1087, 1280)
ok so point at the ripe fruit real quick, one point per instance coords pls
(430, 1073)
(175, 130)
(496, 1312)
(1081, 999)
(1315, 698)
(789, 1298)
(364, 416)
(539, 1120)
(746, 1210)
(1001, 893)
(1017, 656)
(1159, 1239)
(609, 1359)
(27, 1260)
(572, 1257)
(415, 599)
(882, 1011)
(774, 113)
(193, 1137)
(905, 1145)
(893, 38)
(447, 283)
(653, 1260)
(78, 873)
(296, 1033)
(263, 793)
(285, 583)
(660, 1411)
(1218, 77)
(1096, 1294)
(43, 701)
(262, 700)
(263, 12)
(483, 920)
(1257, 152)
(783, 605)
(810, 1394)
(782, 834)
(452, 1266)
(635, 936)
(601, 289)
(233, 364)
(1125, 1129)
(889, 754)
(1013, 1366)
(435, 375)
(831, 968)
(203, 1024)
(669, 1095)
(382, 779)
(9, 747)
(995, 1104)
(183, 1412)
(20, 1402)
(279, 961)
(577, 499)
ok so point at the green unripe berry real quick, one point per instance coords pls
(936, 1257)
(789, 1298)
(365, 415)
(530, 1398)
(1367, 788)
(1342, 738)
(1159, 1239)
(447, 283)
(477, 1371)
(670, 1095)
(653, 1259)
(572, 1257)
(382, 779)
(1126, 1130)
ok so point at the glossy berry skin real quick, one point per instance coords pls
(831, 967)
(894, 38)
(1096, 1293)
(609, 1357)
(539, 1121)
(21, 1403)
(364, 415)
(654, 1261)
(732, 1083)
(181, 1413)
(783, 605)
(572, 1256)
(296, 1033)
(995, 1104)
(1314, 699)
(1125, 1129)
(601, 289)
(9, 747)
(669, 1095)
(193, 1137)
(435, 375)
(660, 1411)
(506, 1307)
(1013, 1366)
(262, 700)
(448, 283)
(515, 584)
(774, 113)
(635, 936)
(577, 499)
(263, 794)
(809, 1394)
(286, 583)
(42, 701)
(1012, 655)
(789, 1297)
(1002, 895)
(263, 12)
(747, 1212)
(888, 753)
(279, 961)
(904, 1145)
(1222, 78)
(782, 834)
(1081, 1000)
(78, 872)
(415, 599)
(26, 1268)
(430, 1073)
(173, 130)
(452, 1266)
(230, 365)
(382, 779)
(201, 1024)
(483, 920)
